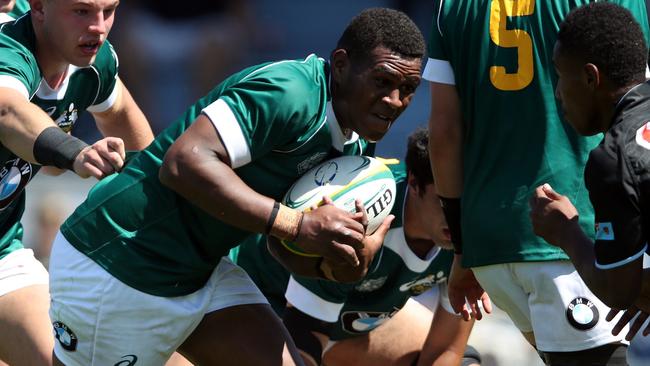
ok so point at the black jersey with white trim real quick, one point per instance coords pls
(617, 176)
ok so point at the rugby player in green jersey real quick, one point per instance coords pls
(387, 316)
(496, 135)
(55, 63)
(139, 268)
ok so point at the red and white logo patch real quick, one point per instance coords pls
(643, 136)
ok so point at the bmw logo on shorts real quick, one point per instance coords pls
(65, 336)
(582, 313)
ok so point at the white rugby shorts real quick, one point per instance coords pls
(99, 320)
(550, 300)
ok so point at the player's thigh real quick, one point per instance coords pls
(99, 320)
(566, 316)
(238, 318)
(24, 301)
(241, 335)
(398, 341)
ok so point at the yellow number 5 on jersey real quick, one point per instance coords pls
(500, 10)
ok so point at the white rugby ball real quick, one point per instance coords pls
(345, 179)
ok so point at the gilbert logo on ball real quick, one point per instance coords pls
(345, 179)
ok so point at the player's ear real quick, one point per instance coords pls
(340, 64)
(592, 75)
(413, 183)
(37, 9)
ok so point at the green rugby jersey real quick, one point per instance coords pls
(499, 56)
(276, 122)
(89, 88)
(394, 275)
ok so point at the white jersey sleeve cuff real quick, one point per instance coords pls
(622, 262)
(105, 105)
(11, 82)
(310, 304)
(439, 71)
(227, 126)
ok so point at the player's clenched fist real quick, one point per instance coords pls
(551, 214)
(100, 159)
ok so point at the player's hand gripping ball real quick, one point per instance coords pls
(345, 179)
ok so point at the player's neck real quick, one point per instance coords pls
(53, 68)
(417, 240)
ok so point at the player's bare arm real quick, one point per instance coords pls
(555, 219)
(448, 347)
(445, 150)
(197, 166)
(32, 135)
(125, 119)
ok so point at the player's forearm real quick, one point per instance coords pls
(125, 120)
(617, 287)
(201, 177)
(21, 122)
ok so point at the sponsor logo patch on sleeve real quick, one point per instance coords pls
(643, 136)
(604, 231)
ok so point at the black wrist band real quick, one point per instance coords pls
(451, 209)
(274, 214)
(53, 147)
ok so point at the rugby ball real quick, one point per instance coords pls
(345, 179)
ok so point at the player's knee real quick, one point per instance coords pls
(613, 354)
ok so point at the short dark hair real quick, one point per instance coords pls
(417, 158)
(390, 28)
(608, 36)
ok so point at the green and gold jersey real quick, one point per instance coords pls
(276, 122)
(395, 274)
(89, 88)
(499, 56)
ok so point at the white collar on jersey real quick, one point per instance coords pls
(339, 140)
(46, 92)
(396, 240)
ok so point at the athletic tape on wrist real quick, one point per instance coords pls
(53, 147)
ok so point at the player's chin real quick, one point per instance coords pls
(376, 132)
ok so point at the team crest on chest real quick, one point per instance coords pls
(421, 285)
(371, 284)
(67, 119)
(14, 176)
